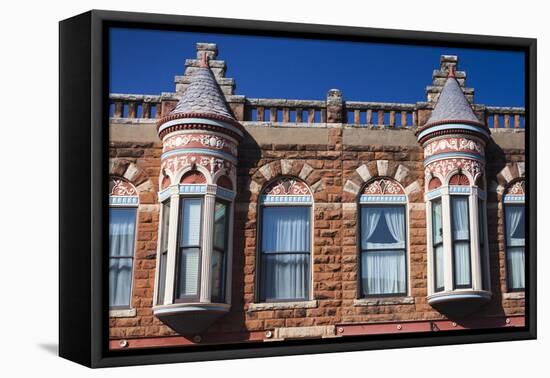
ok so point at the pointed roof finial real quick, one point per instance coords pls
(451, 71)
(204, 60)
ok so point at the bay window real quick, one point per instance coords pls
(458, 266)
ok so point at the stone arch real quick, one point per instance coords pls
(379, 169)
(131, 172)
(511, 172)
(286, 168)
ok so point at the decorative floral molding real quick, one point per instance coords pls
(119, 187)
(518, 188)
(209, 141)
(287, 186)
(383, 187)
(453, 144)
(175, 164)
(443, 167)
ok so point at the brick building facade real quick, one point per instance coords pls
(203, 180)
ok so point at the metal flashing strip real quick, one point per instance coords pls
(382, 199)
(285, 200)
(514, 198)
(449, 126)
(130, 201)
(192, 189)
(225, 193)
(433, 194)
(459, 189)
(453, 155)
(164, 195)
(204, 121)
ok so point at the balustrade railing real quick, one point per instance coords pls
(312, 112)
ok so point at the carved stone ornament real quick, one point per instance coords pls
(383, 187)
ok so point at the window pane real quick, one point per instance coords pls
(162, 278)
(188, 272)
(217, 275)
(382, 227)
(515, 246)
(220, 219)
(191, 222)
(481, 221)
(439, 270)
(285, 276)
(165, 225)
(383, 272)
(285, 253)
(121, 231)
(516, 267)
(461, 242)
(515, 225)
(285, 229)
(462, 264)
(121, 249)
(120, 281)
(461, 224)
(437, 225)
(437, 242)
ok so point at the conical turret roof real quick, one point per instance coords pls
(203, 96)
(452, 106)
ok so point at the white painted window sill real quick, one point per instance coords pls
(123, 313)
(383, 301)
(514, 295)
(281, 305)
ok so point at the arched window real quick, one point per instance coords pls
(123, 204)
(514, 221)
(285, 241)
(383, 241)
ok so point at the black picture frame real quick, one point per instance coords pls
(83, 213)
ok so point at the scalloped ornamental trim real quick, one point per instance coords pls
(172, 117)
(483, 131)
(199, 126)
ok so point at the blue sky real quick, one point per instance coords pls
(145, 62)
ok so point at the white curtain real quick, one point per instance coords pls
(121, 249)
(191, 222)
(383, 250)
(395, 220)
(370, 216)
(285, 252)
(515, 242)
(383, 272)
(461, 242)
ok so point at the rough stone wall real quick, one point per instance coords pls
(335, 172)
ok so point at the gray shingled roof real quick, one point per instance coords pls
(203, 95)
(452, 105)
